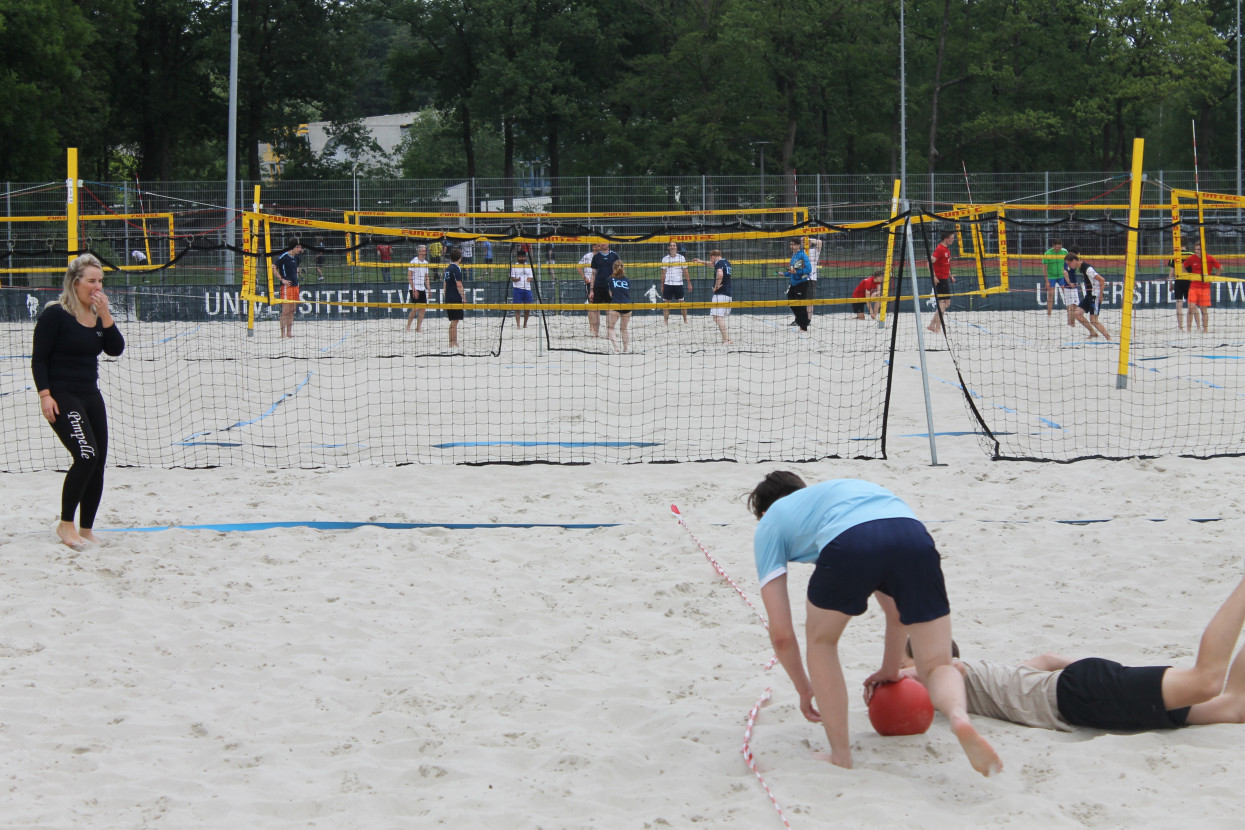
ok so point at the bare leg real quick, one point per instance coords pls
(453, 333)
(1180, 314)
(665, 315)
(721, 321)
(622, 328)
(609, 333)
(1093, 319)
(1050, 299)
(594, 323)
(825, 673)
(1077, 314)
(1185, 687)
(931, 646)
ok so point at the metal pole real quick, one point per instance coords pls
(231, 149)
(920, 340)
(903, 113)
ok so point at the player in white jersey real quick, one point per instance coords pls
(675, 284)
(417, 276)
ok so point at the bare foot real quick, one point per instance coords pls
(88, 536)
(980, 754)
(68, 535)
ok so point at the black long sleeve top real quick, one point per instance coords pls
(66, 353)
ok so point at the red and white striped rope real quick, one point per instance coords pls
(751, 761)
(679, 517)
(746, 751)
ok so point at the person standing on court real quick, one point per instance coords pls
(721, 291)
(69, 336)
(287, 270)
(1053, 261)
(620, 292)
(814, 258)
(453, 293)
(417, 276)
(384, 252)
(674, 275)
(941, 264)
(521, 286)
(602, 275)
(585, 271)
(798, 282)
(864, 541)
(1199, 287)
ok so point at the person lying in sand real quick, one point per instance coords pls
(1055, 692)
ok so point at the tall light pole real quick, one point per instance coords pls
(903, 110)
(231, 158)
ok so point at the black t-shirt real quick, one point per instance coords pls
(453, 276)
(66, 353)
(287, 267)
(724, 266)
(603, 267)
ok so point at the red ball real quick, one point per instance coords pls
(901, 708)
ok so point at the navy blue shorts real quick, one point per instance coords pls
(894, 556)
(1102, 694)
(672, 293)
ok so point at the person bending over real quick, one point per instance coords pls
(864, 540)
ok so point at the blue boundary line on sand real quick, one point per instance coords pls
(229, 527)
(564, 444)
(189, 441)
(233, 527)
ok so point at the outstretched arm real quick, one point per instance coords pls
(786, 646)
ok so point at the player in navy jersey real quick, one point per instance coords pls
(453, 293)
(602, 271)
(69, 336)
(721, 291)
(287, 270)
(620, 292)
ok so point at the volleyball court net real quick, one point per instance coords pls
(1050, 386)
(370, 376)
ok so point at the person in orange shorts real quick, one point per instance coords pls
(287, 269)
(1199, 288)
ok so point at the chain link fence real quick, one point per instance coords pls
(35, 249)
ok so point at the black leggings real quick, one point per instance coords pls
(82, 426)
(799, 292)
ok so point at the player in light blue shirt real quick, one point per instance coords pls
(864, 540)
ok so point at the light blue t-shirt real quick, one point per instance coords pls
(799, 525)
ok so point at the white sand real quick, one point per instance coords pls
(556, 678)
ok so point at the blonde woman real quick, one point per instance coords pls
(69, 336)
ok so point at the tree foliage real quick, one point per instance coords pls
(623, 87)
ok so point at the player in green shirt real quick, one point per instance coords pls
(1053, 260)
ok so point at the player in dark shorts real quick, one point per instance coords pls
(865, 541)
(602, 273)
(453, 293)
(1054, 692)
(620, 292)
